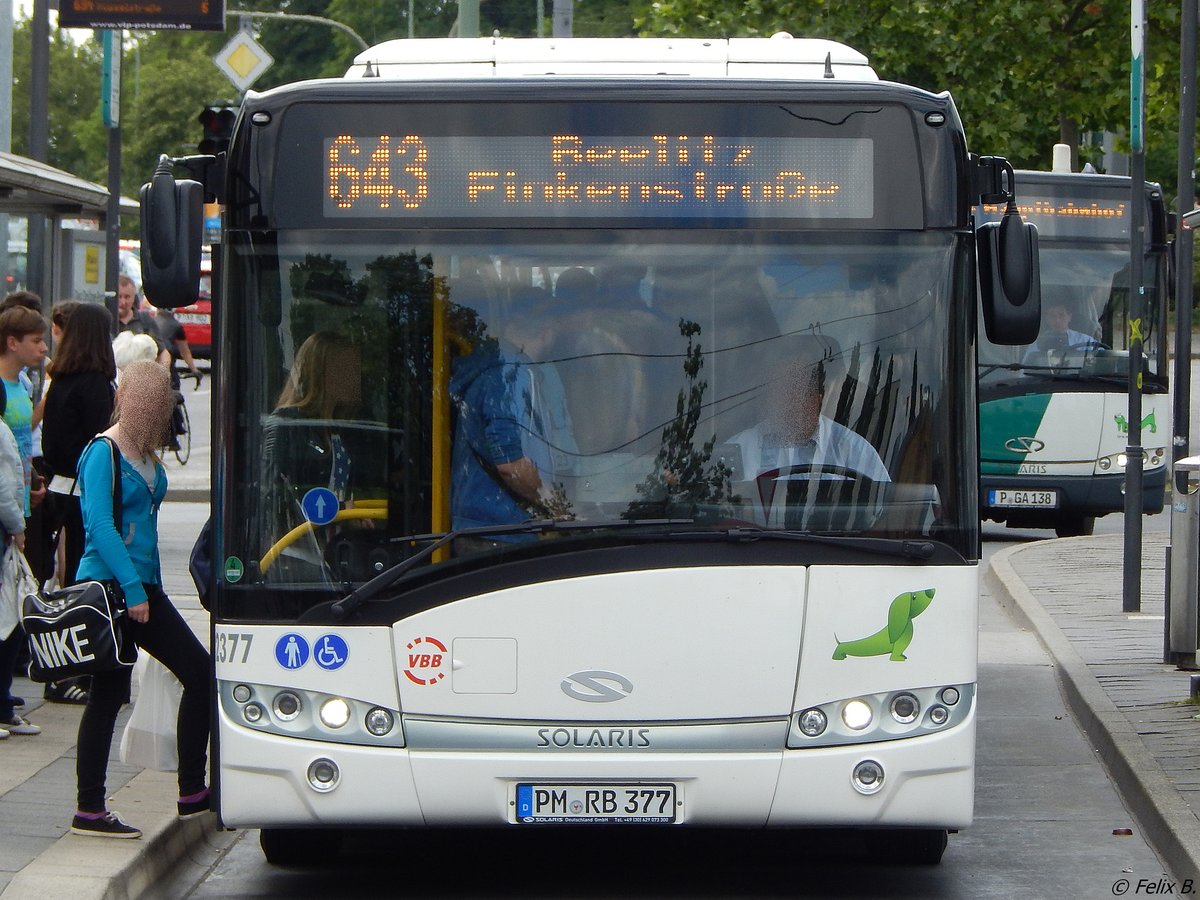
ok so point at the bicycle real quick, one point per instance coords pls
(181, 424)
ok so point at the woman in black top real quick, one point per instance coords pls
(79, 405)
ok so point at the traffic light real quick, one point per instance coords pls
(217, 122)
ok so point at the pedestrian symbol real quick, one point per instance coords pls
(291, 651)
(320, 505)
(330, 652)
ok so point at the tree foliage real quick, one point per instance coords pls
(1023, 73)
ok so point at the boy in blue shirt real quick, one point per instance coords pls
(22, 344)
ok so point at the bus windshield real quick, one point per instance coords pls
(599, 377)
(1083, 226)
(1084, 333)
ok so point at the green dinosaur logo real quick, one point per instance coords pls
(1147, 423)
(894, 637)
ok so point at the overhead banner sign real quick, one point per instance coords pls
(143, 15)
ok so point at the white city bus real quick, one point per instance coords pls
(1052, 414)
(474, 266)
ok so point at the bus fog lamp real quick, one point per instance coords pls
(1105, 462)
(253, 713)
(811, 722)
(868, 777)
(950, 696)
(379, 721)
(938, 715)
(857, 715)
(905, 708)
(287, 706)
(335, 712)
(242, 693)
(323, 775)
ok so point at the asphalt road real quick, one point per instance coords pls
(1046, 822)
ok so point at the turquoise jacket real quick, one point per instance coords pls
(131, 558)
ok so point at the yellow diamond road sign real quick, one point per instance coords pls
(242, 60)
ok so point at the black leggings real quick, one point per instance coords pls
(70, 519)
(166, 637)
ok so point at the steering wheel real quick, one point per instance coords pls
(366, 509)
(843, 484)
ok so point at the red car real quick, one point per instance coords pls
(196, 319)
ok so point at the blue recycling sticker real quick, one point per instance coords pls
(320, 505)
(291, 651)
(330, 651)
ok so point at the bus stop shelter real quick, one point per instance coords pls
(74, 211)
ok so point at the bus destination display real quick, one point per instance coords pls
(571, 175)
(1085, 217)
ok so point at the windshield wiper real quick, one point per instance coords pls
(907, 549)
(1008, 367)
(344, 608)
(348, 605)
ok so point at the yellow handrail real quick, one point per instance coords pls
(361, 511)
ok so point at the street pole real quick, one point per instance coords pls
(563, 25)
(1180, 622)
(6, 50)
(315, 20)
(1132, 593)
(39, 140)
(468, 18)
(111, 105)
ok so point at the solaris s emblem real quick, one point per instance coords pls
(595, 686)
(1024, 445)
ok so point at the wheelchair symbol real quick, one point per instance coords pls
(330, 652)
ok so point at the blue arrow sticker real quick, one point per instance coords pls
(291, 651)
(320, 505)
(330, 652)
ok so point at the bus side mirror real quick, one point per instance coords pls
(1010, 279)
(172, 228)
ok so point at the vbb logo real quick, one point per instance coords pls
(425, 662)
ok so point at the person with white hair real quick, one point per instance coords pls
(792, 430)
(138, 321)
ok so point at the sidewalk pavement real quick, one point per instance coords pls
(39, 857)
(1132, 707)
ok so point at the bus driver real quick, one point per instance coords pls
(792, 431)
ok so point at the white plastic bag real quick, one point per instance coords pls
(149, 738)
(16, 580)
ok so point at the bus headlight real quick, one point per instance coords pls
(868, 777)
(379, 721)
(857, 715)
(335, 712)
(287, 706)
(811, 722)
(904, 708)
(323, 775)
(310, 715)
(1152, 458)
(907, 712)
